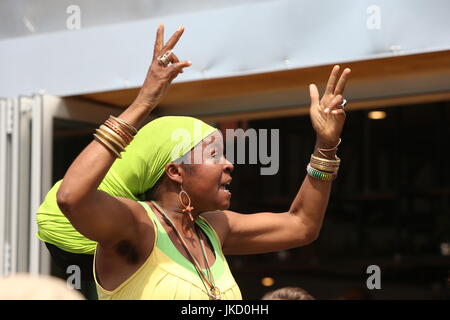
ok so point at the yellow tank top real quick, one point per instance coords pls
(168, 275)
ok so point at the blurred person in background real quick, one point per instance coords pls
(288, 293)
(29, 287)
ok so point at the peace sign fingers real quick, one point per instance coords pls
(159, 42)
(342, 81)
(172, 41)
(164, 68)
(329, 90)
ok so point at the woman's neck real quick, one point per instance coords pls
(175, 213)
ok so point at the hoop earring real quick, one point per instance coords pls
(187, 208)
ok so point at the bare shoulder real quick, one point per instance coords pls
(138, 210)
(220, 221)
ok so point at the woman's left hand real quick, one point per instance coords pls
(327, 114)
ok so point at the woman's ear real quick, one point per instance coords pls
(174, 172)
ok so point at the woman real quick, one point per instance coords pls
(172, 247)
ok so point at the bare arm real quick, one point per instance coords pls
(301, 224)
(94, 213)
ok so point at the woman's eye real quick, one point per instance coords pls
(215, 155)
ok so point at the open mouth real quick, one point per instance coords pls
(225, 187)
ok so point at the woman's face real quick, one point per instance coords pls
(209, 175)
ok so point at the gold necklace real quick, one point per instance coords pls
(214, 292)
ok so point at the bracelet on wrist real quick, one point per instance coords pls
(115, 135)
(322, 150)
(320, 175)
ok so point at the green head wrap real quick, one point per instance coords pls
(161, 141)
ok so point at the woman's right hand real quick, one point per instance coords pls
(159, 77)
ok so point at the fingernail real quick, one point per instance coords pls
(326, 110)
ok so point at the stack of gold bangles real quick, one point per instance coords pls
(323, 169)
(115, 135)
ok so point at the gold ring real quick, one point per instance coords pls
(165, 58)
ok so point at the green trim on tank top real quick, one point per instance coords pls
(165, 244)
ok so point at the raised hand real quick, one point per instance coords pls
(327, 114)
(160, 75)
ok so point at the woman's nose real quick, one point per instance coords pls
(228, 165)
